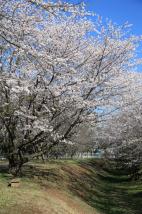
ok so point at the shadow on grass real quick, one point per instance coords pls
(4, 171)
(98, 184)
(108, 192)
(103, 188)
(3, 167)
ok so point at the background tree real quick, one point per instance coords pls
(120, 136)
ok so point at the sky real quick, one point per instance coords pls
(119, 11)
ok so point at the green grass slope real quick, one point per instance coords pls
(70, 187)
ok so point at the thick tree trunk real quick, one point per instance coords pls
(15, 164)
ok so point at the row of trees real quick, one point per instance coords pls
(123, 133)
(59, 72)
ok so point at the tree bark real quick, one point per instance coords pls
(16, 162)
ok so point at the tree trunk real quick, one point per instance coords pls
(16, 162)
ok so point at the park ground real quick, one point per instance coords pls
(70, 187)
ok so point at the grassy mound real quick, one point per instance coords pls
(70, 187)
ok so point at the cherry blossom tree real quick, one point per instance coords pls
(59, 70)
(120, 135)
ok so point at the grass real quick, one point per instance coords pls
(70, 187)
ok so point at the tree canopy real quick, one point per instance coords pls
(60, 70)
